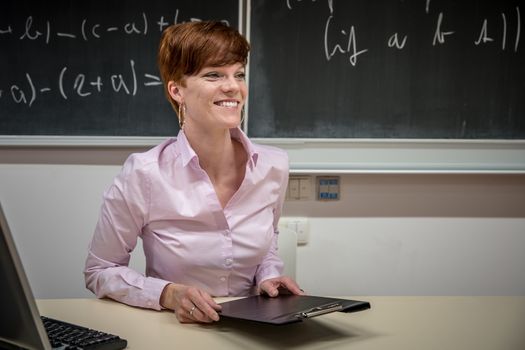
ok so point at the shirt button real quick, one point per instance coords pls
(223, 279)
(229, 262)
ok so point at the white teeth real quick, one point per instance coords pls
(227, 104)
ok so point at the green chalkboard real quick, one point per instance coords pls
(387, 69)
(89, 67)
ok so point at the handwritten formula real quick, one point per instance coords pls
(66, 82)
(344, 40)
(87, 30)
(90, 67)
(387, 69)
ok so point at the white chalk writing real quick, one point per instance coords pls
(439, 35)
(393, 41)
(350, 47)
(484, 37)
(88, 29)
(68, 82)
(343, 41)
(78, 84)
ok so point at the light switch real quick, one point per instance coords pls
(299, 188)
(293, 185)
(304, 188)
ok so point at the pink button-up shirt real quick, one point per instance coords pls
(164, 197)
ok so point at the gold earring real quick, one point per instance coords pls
(242, 117)
(181, 114)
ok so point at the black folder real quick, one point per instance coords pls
(287, 308)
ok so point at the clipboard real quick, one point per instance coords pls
(287, 308)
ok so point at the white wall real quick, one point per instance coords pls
(416, 235)
(389, 234)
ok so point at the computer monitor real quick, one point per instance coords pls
(20, 322)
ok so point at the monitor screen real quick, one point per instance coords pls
(20, 324)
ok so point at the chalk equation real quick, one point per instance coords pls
(68, 84)
(343, 41)
(90, 68)
(87, 29)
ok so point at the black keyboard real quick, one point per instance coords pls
(63, 335)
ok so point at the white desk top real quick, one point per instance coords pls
(422, 323)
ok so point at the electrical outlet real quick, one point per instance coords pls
(299, 225)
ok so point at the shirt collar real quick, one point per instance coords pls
(240, 136)
(188, 154)
(184, 149)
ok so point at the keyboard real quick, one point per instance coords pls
(67, 336)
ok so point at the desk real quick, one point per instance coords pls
(422, 323)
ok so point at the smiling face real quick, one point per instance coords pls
(187, 49)
(213, 97)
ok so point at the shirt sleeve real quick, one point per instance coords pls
(123, 214)
(272, 266)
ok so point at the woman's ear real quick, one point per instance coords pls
(175, 91)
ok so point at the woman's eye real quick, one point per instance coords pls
(212, 75)
(240, 76)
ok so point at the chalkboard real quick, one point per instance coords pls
(416, 69)
(89, 67)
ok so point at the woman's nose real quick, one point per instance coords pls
(231, 84)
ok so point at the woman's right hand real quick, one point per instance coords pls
(189, 303)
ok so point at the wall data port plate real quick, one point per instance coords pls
(328, 188)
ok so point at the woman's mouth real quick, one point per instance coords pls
(228, 104)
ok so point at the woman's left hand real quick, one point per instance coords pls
(272, 286)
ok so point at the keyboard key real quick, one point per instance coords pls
(73, 337)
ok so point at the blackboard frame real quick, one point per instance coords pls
(402, 156)
(359, 156)
(339, 156)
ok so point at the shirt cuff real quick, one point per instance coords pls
(267, 273)
(152, 289)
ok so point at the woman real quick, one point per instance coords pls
(207, 204)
